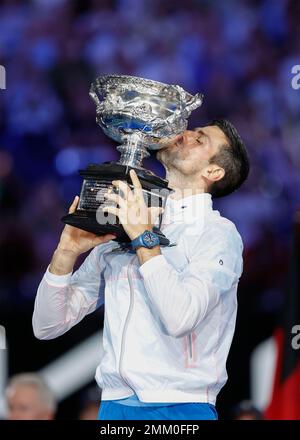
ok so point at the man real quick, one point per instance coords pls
(29, 398)
(89, 406)
(169, 311)
(245, 410)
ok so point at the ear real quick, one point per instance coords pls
(213, 173)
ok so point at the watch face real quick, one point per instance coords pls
(150, 239)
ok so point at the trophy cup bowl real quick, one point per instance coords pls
(141, 115)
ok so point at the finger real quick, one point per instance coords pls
(74, 205)
(156, 210)
(116, 198)
(135, 180)
(127, 193)
(136, 183)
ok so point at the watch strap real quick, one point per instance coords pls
(140, 242)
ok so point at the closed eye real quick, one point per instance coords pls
(200, 140)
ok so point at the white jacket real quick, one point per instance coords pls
(169, 323)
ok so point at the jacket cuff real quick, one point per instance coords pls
(57, 280)
(153, 265)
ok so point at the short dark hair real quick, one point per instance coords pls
(233, 158)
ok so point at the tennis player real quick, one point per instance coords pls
(170, 311)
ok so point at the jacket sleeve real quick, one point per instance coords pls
(183, 299)
(64, 300)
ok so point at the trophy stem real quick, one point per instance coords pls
(132, 152)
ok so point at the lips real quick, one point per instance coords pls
(176, 141)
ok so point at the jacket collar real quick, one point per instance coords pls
(187, 209)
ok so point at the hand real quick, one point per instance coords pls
(76, 241)
(133, 213)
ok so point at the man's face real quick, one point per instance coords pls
(191, 151)
(24, 403)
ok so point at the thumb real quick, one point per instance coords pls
(103, 238)
(74, 205)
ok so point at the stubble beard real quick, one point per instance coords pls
(169, 158)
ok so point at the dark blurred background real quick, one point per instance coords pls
(238, 53)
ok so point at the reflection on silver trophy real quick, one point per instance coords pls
(141, 115)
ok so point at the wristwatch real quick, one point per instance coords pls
(147, 239)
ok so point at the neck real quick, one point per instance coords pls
(183, 185)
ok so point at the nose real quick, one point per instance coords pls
(187, 134)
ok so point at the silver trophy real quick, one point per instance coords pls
(141, 115)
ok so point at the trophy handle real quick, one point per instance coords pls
(194, 102)
(94, 96)
(190, 102)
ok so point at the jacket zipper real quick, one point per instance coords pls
(130, 265)
(190, 346)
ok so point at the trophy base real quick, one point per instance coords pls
(88, 222)
(97, 181)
